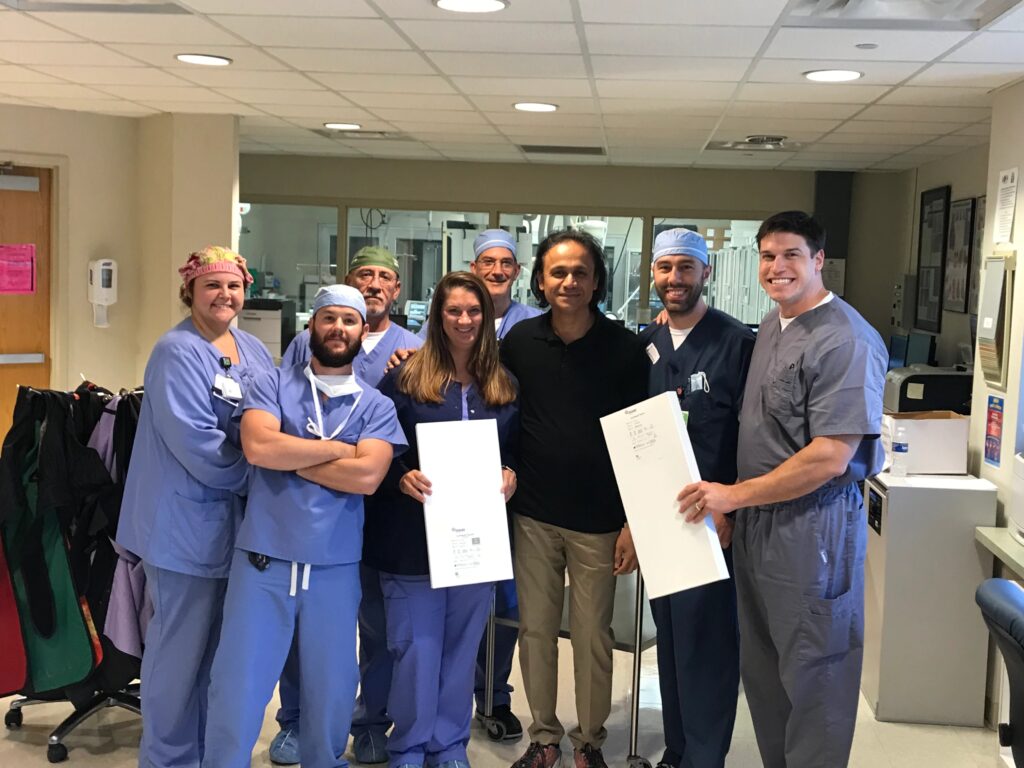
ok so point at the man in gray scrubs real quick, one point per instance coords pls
(809, 427)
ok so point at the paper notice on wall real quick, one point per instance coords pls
(833, 274)
(1006, 205)
(17, 269)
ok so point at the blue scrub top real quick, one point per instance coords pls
(290, 518)
(396, 539)
(822, 376)
(183, 495)
(369, 368)
(513, 315)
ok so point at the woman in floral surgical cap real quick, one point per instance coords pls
(183, 498)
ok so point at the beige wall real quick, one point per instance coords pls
(96, 216)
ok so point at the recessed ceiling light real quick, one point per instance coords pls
(343, 126)
(472, 6)
(866, 46)
(833, 75)
(203, 59)
(535, 106)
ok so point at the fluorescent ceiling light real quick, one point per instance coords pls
(472, 6)
(203, 59)
(535, 106)
(343, 126)
(833, 75)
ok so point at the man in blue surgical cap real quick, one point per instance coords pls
(318, 440)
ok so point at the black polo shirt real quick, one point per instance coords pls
(565, 475)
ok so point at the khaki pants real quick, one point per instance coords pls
(542, 554)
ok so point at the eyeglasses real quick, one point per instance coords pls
(488, 264)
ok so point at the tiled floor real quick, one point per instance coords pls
(110, 739)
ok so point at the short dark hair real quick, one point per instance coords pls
(590, 245)
(795, 223)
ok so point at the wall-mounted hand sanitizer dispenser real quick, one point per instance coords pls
(102, 289)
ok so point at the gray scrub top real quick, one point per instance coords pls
(822, 376)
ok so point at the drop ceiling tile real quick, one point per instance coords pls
(417, 127)
(811, 92)
(436, 134)
(411, 101)
(777, 125)
(932, 151)
(932, 114)
(1011, 22)
(272, 133)
(992, 47)
(827, 164)
(386, 148)
(853, 149)
(200, 107)
(896, 126)
(661, 89)
(108, 107)
(527, 88)
(566, 104)
(960, 140)
(750, 12)
(666, 105)
(978, 129)
(140, 28)
(509, 65)
(668, 68)
(792, 136)
(664, 123)
(881, 139)
(553, 135)
(669, 40)
(519, 10)
(285, 31)
(161, 93)
(324, 113)
(340, 81)
(840, 44)
(367, 121)
(261, 121)
(473, 146)
(712, 158)
(243, 78)
(896, 164)
(259, 149)
(692, 139)
(938, 96)
(24, 28)
(71, 54)
(492, 36)
(10, 73)
(783, 109)
(284, 96)
(414, 115)
(113, 75)
(357, 62)
(511, 119)
(792, 70)
(969, 75)
(242, 57)
(472, 157)
(646, 156)
(51, 91)
(346, 8)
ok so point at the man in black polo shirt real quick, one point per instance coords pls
(574, 366)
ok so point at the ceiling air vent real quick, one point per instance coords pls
(758, 142)
(92, 6)
(555, 149)
(895, 14)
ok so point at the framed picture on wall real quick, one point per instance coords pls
(959, 247)
(978, 258)
(933, 230)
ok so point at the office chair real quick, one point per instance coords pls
(1002, 607)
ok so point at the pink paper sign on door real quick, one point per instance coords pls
(18, 269)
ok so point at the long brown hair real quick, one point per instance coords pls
(426, 375)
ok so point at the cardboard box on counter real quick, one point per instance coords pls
(937, 441)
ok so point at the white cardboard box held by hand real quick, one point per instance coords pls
(653, 459)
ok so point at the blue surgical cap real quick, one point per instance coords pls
(339, 295)
(493, 238)
(680, 242)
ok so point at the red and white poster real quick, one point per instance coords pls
(17, 269)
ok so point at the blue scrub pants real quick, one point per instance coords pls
(371, 713)
(800, 589)
(433, 635)
(260, 621)
(180, 642)
(699, 672)
(505, 607)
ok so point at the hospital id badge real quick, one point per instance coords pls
(227, 388)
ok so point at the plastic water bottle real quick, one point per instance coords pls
(900, 452)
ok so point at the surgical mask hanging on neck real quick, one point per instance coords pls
(331, 386)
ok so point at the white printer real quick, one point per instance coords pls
(928, 388)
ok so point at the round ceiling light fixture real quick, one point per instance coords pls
(203, 59)
(471, 6)
(535, 106)
(833, 75)
(343, 126)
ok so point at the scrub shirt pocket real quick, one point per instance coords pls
(827, 626)
(203, 531)
(779, 392)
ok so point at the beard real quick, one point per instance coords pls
(688, 302)
(318, 346)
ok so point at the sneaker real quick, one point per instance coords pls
(539, 755)
(502, 725)
(588, 757)
(370, 747)
(284, 749)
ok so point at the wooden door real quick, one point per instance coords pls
(24, 317)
